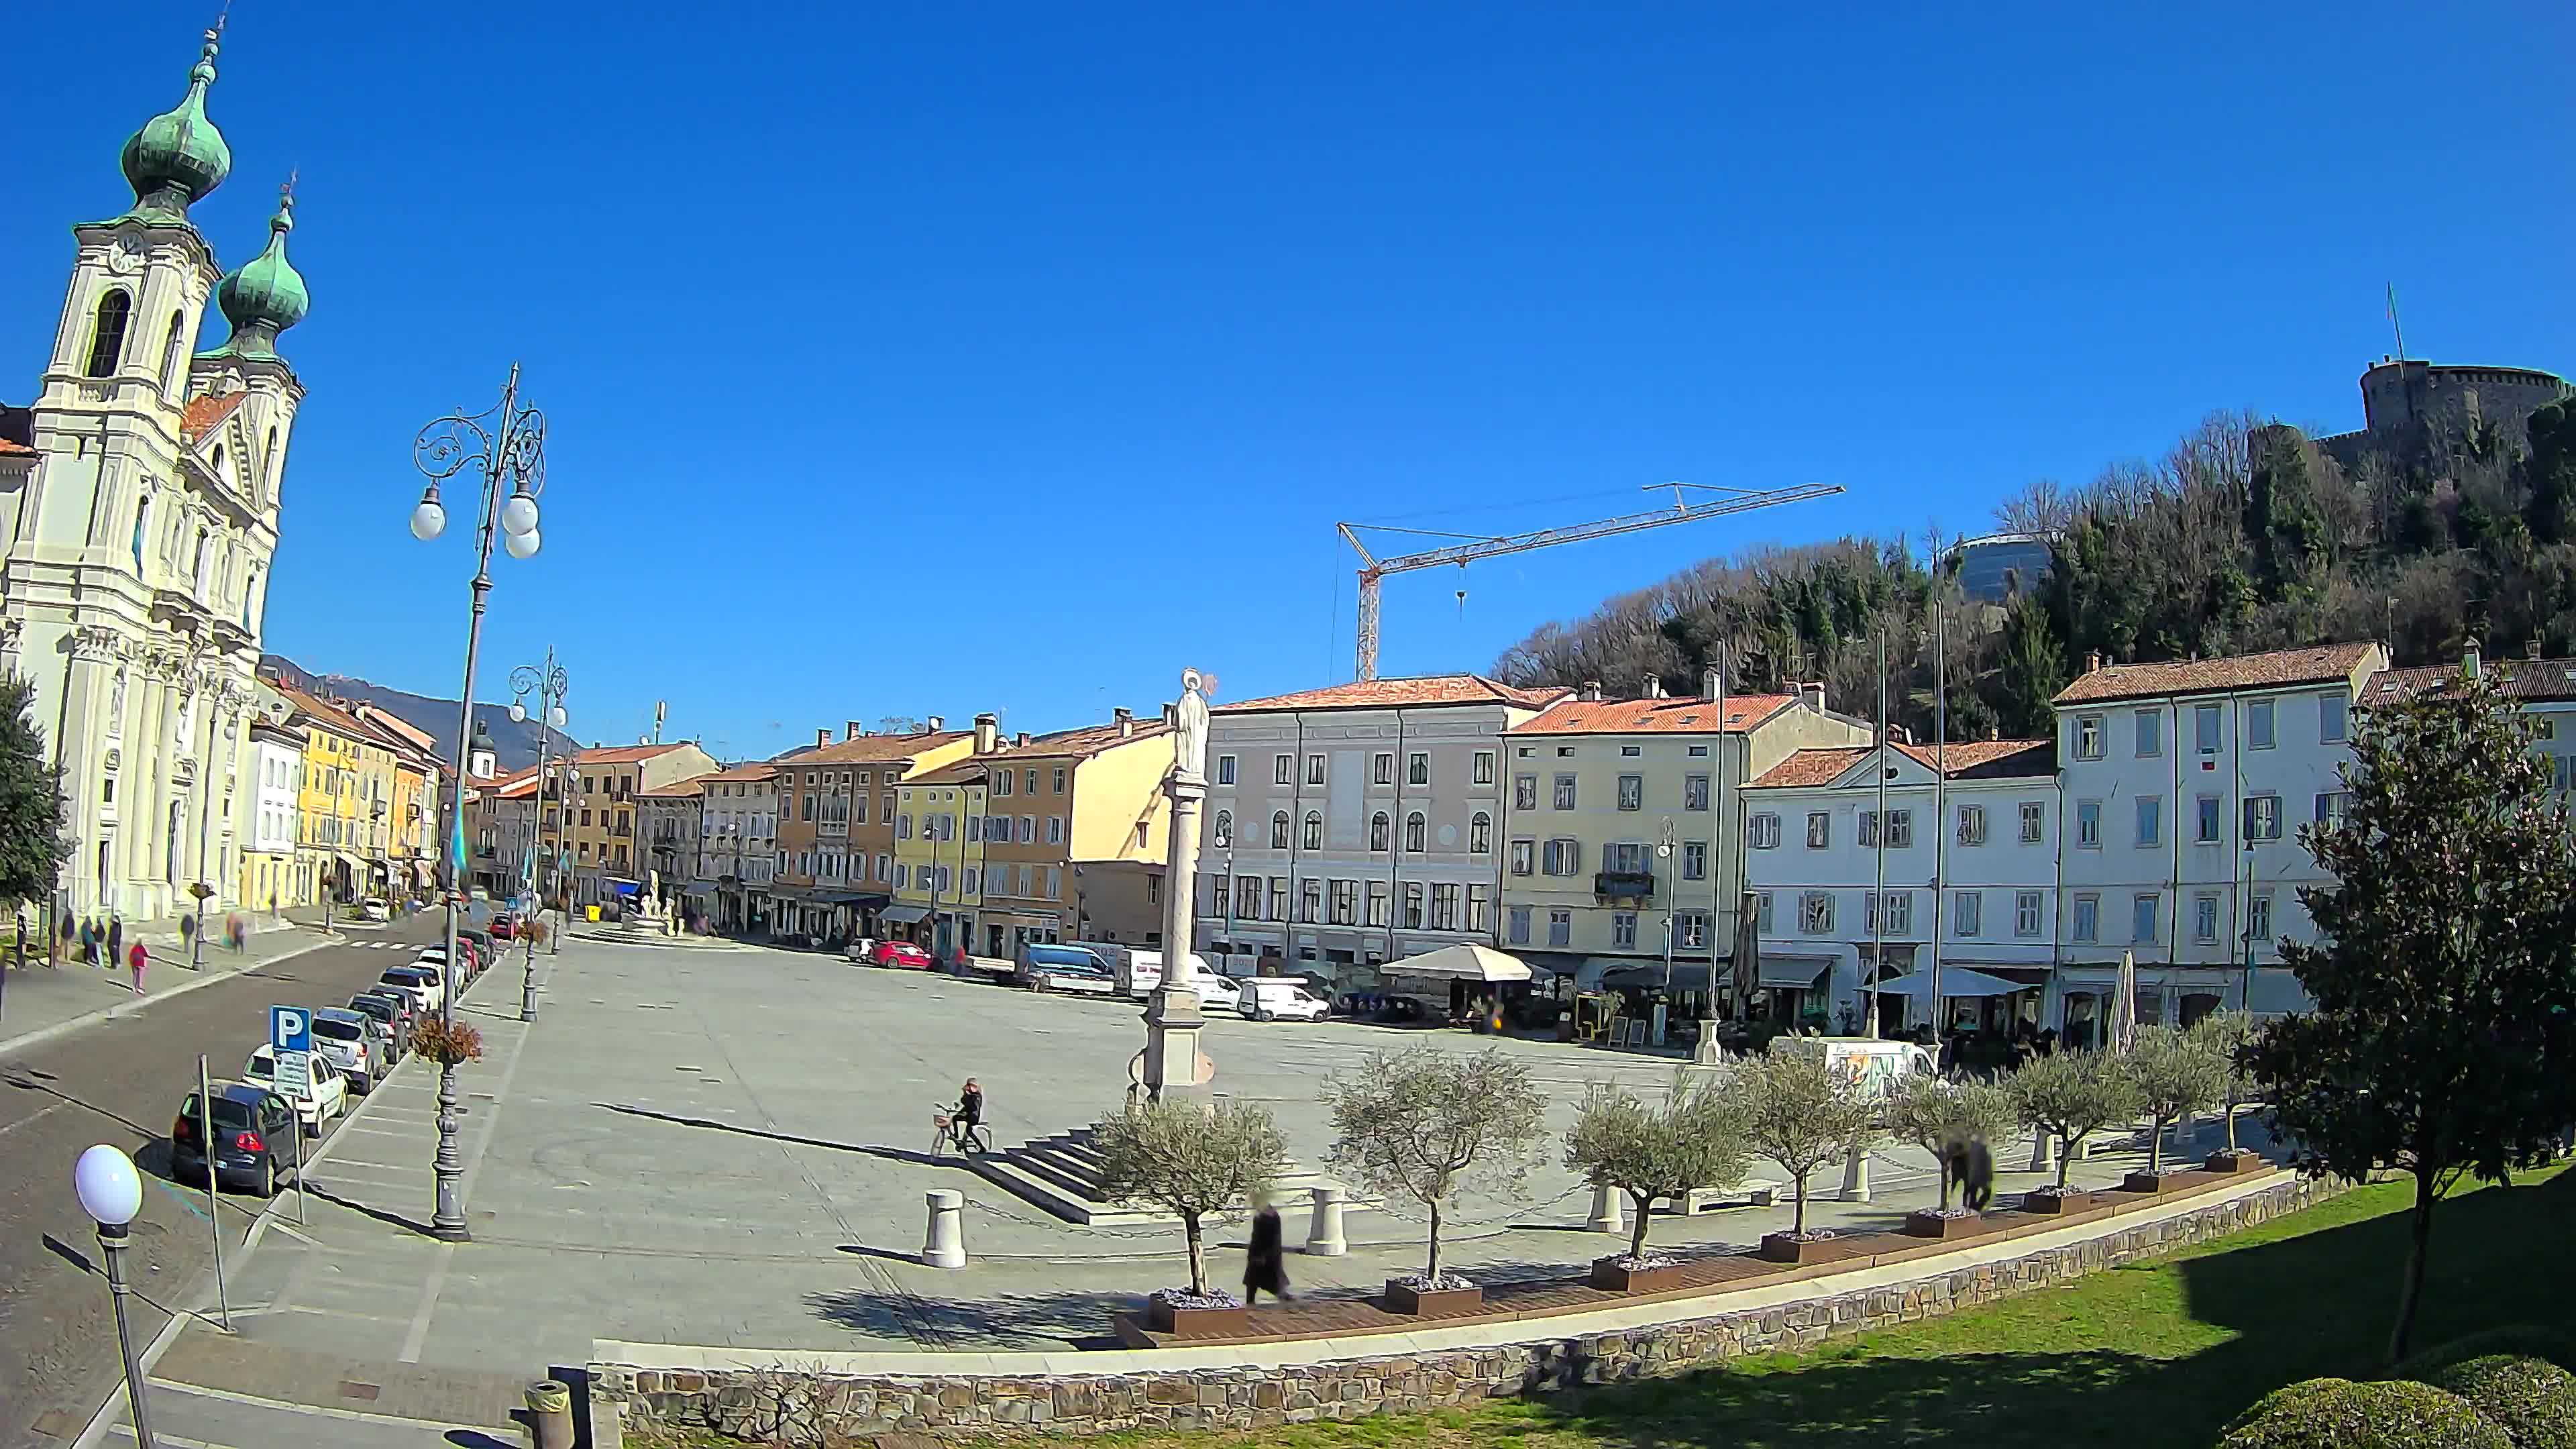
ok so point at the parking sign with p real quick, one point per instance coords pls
(290, 1029)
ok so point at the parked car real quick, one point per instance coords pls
(900, 954)
(1275, 998)
(504, 927)
(1046, 966)
(353, 1042)
(1219, 993)
(424, 982)
(373, 910)
(391, 1009)
(325, 1094)
(859, 948)
(250, 1135)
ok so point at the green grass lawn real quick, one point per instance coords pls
(2153, 1355)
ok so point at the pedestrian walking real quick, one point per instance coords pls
(115, 941)
(240, 929)
(1265, 1263)
(136, 958)
(89, 940)
(65, 932)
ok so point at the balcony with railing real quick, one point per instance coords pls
(1624, 885)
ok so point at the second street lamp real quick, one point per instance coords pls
(506, 445)
(548, 683)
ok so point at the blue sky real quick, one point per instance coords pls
(893, 353)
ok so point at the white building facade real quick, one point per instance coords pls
(1980, 818)
(277, 778)
(2184, 786)
(1340, 828)
(738, 842)
(138, 541)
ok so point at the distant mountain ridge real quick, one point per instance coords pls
(514, 743)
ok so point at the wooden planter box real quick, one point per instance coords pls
(1609, 1277)
(1927, 1224)
(2165, 1181)
(2241, 1160)
(1781, 1248)
(1162, 1317)
(1403, 1297)
(2040, 1202)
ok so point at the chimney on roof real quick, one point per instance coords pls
(988, 726)
(2470, 662)
(935, 724)
(2093, 662)
(1590, 693)
(2531, 648)
(822, 737)
(852, 730)
(1711, 684)
(1814, 696)
(1126, 719)
(1654, 686)
(1022, 738)
(1993, 734)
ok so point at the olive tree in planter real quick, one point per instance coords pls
(2227, 1035)
(1801, 1113)
(1941, 1115)
(2172, 1073)
(1694, 1140)
(1192, 1160)
(1430, 1125)
(2071, 1095)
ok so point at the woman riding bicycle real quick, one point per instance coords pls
(964, 1124)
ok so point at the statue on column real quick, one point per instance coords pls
(1172, 1062)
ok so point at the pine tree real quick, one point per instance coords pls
(32, 846)
(2443, 1043)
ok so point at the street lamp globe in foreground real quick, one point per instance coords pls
(428, 518)
(111, 1191)
(521, 545)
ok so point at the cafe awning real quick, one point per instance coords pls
(1956, 981)
(1463, 962)
(1799, 972)
(349, 860)
(903, 915)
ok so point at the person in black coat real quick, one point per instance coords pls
(1265, 1262)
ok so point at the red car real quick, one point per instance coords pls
(503, 928)
(901, 954)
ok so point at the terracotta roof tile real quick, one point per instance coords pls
(1964, 760)
(2317, 664)
(1425, 690)
(756, 770)
(1652, 716)
(12, 448)
(1073, 744)
(873, 749)
(622, 754)
(688, 789)
(206, 413)
(2530, 679)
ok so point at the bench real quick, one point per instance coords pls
(1758, 1192)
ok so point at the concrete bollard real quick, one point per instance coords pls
(1609, 1210)
(944, 1246)
(2038, 1150)
(550, 1414)
(1324, 1228)
(1856, 1176)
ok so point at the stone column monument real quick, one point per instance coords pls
(1171, 1066)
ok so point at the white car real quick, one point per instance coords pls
(424, 982)
(1218, 993)
(857, 951)
(1275, 998)
(325, 1094)
(375, 911)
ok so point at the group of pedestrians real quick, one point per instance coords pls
(106, 945)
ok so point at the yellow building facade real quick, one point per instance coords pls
(938, 862)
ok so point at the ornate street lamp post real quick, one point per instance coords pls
(548, 684)
(507, 444)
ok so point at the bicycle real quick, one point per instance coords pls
(969, 1139)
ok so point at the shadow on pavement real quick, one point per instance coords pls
(390, 1219)
(1023, 1320)
(891, 1154)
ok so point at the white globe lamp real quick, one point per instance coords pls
(111, 1191)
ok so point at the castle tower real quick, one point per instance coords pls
(133, 559)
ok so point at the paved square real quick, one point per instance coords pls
(725, 1146)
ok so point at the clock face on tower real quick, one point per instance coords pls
(125, 255)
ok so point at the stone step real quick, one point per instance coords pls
(1085, 1188)
(1078, 1159)
(1047, 1174)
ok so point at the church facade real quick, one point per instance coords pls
(138, 519)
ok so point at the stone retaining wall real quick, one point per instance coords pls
(753, 1402)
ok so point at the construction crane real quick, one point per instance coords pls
(1472, 547)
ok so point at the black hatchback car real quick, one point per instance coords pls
(253, 1134)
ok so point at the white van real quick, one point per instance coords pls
(1141, 971)
(1281, 998)
(1874, 1063)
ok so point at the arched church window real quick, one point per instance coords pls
(142, 510)
(219, 460)
(170, 353)
(107, 335)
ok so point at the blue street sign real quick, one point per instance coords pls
(290, 1029)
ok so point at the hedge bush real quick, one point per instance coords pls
(2527, 1340)
(2341, 1414)
(2531, 1399)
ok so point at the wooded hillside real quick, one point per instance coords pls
(2244, 537)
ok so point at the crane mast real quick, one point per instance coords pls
(1469, 548)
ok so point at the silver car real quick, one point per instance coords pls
(354, 1042)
